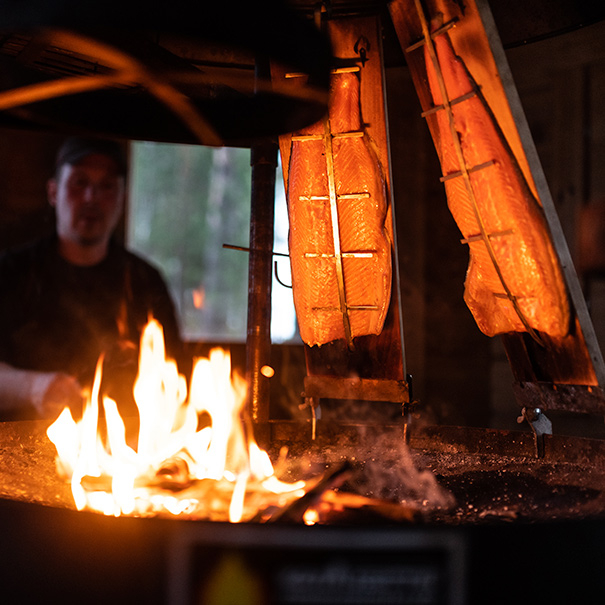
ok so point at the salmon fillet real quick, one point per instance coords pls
(514, 283)
(339, 238)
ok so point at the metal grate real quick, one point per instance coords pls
(50, 59)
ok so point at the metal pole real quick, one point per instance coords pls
(263, 159)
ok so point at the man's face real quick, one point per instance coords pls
(88, 198)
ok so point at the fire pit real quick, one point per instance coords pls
(492, 520)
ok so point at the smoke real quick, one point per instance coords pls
(383, 466)
(394, 476)
(387, 470)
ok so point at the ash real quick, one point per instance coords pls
(446, 486)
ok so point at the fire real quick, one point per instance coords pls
(215, 471)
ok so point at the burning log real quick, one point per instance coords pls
(295, 512)
(172, 475)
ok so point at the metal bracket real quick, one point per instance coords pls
(540, 426)
(313, 404)
(407, 407)
(317, 387)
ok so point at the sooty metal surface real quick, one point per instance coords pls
(487, 528)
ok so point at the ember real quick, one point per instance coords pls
(215, 472)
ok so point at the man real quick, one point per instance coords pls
(77, 295)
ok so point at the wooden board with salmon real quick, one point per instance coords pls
(341, 243)
(514, 281)
(340, 251)
(521, 283)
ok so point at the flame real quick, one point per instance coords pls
(216, 471)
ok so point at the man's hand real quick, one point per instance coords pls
(63, 390)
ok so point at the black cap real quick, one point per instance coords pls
(74, 149)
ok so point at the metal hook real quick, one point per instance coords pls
(281, 283)
(362, 46)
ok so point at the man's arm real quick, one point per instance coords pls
(47, 393)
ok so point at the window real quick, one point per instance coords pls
(284, 327)
(185, 202)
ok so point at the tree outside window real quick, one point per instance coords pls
(185, 202)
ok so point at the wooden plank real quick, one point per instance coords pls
(360, 389)
(576, 359)
(562, 397)
(376, 356)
